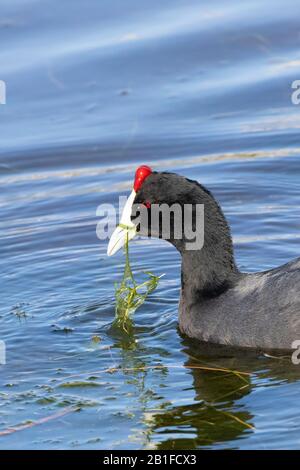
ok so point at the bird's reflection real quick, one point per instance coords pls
(218, 413)
(220, 378)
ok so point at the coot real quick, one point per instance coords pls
(218, 303)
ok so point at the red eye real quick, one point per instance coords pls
(147, 204)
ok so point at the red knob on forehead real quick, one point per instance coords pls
(140, 175)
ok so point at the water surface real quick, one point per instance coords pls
(95, 89)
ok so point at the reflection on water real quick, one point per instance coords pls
(217, 414)
(198, 88)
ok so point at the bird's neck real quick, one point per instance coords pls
(204, 276)
(209, 272)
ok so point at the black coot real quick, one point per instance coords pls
(218, 303)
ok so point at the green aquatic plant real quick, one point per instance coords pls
(130, 295)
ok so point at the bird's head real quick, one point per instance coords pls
(163, 205)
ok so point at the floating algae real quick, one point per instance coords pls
(130, 295)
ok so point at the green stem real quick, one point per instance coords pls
(128, 294)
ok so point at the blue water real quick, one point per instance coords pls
(95, 89)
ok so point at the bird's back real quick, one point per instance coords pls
(262, 310)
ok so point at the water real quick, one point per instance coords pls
(93, 90)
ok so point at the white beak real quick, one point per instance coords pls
(125, 231)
